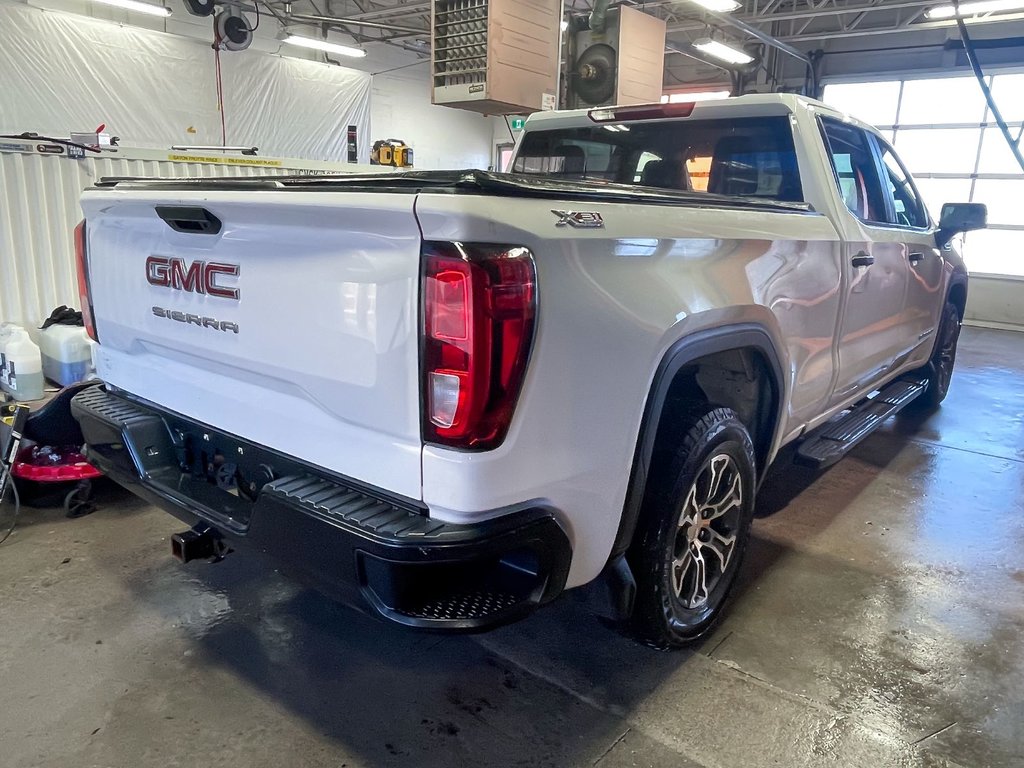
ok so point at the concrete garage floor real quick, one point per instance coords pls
(880, 622)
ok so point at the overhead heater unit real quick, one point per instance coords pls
(495, 56)
(622, 64)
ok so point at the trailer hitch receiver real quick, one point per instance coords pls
(199, 543)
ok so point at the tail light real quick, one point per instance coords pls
(479, 305)
(84, 294)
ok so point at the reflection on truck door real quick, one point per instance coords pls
(924, 260)
(873, 332)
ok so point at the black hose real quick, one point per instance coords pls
(972, 58)
(7, 479)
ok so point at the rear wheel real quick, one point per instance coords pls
(939, 370)
(693, 531)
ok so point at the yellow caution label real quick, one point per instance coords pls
(257, 161)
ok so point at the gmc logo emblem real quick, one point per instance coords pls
(198, 277)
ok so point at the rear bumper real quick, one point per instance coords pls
(354, 542)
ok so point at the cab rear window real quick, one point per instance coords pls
(743, 157)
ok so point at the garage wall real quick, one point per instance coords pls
(286, 100)
(63, 72)
(995, 302)
(441, 137)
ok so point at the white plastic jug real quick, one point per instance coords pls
(6, 332)
(67, 356)
(24, 373)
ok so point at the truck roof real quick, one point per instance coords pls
(752, 104)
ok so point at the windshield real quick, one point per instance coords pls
(746, 157)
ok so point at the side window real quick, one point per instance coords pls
(908, 209)
(853, 163)
(568, 157)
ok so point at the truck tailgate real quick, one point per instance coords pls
(293, 325)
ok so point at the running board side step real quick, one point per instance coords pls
(831, 441)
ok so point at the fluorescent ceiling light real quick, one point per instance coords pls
(722, 6)
(975, 8)
(680, 98)
(324, 45)
(722, 52)
(134, 5)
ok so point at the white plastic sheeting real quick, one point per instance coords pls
(39, 209)
(63, 73)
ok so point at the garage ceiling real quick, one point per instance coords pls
(799, 26)
(801, 22)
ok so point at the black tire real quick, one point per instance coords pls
(78, 502)
(668, 553)
(939, 369)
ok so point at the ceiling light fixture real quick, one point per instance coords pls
(974, 8)
(722, 52)
(720, 6)
(323, 45)
(134, 5)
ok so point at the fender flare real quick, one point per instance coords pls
(681, 353)
(958, 279)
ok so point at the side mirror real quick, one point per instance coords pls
(960, 217)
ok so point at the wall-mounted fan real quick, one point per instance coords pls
(593, 77)
(622, 63)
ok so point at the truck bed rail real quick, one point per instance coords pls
(463, 182)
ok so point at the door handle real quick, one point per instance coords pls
(915, 257)
(863, 259)
(190, 220)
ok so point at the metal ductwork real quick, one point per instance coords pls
(599, 16)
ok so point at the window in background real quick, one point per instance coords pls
(505, 157)
(942, 100)
(996, 156)
(936, 192)
(938, 150)
(951, 163)
(995, 251)
(1003, 198)
(874, 103)
(1008, 92)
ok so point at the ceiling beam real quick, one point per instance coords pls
(355, 22)
(904, 27)
(764, 37)
(815, 12)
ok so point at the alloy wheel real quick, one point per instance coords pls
(706, 538)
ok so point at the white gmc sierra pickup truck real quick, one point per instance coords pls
(451, 396)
